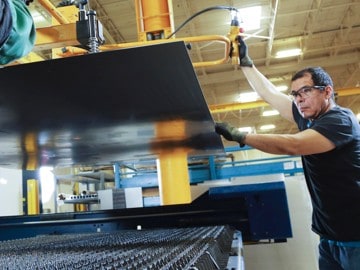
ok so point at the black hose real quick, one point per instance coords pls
(201, 12)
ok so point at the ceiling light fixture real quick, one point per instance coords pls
(250, 18)
(37, 17)
(267, 127)
(246, 129)
(270, 113)
(247, 97)
(288, 53)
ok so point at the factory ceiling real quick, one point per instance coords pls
(327, 32)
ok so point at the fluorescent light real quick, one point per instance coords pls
(267, 127)
(270, 113)
(248, 97)
(288, 53)
(250, 18)
(282, 88)
(38, 17)
(246, 129)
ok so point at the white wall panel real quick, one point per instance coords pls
(299, 252)
(10, 192)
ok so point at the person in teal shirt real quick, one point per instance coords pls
(17, 30)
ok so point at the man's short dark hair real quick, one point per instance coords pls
(319, 76)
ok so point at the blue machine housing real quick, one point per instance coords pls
(266, 205)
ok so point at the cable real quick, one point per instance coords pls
(201, 12)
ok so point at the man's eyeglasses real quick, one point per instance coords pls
(305, 91)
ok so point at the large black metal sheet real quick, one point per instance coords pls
(105, 107)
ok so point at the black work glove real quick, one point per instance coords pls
(245, 60)
(230, 133)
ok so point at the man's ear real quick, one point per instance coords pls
(329, 91)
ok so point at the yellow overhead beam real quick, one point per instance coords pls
(56, 36)
(63, 31)
(222, 108)
(348, 91)
(30, 58)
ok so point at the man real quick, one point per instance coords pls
(329, 143)
(17, 30)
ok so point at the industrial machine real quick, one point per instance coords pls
(180, 248)
(206, 234)
(133, 103)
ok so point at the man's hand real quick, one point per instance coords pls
(245, 60)
(230, 133)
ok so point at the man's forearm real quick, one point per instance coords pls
(268, 92)
(272, 143)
